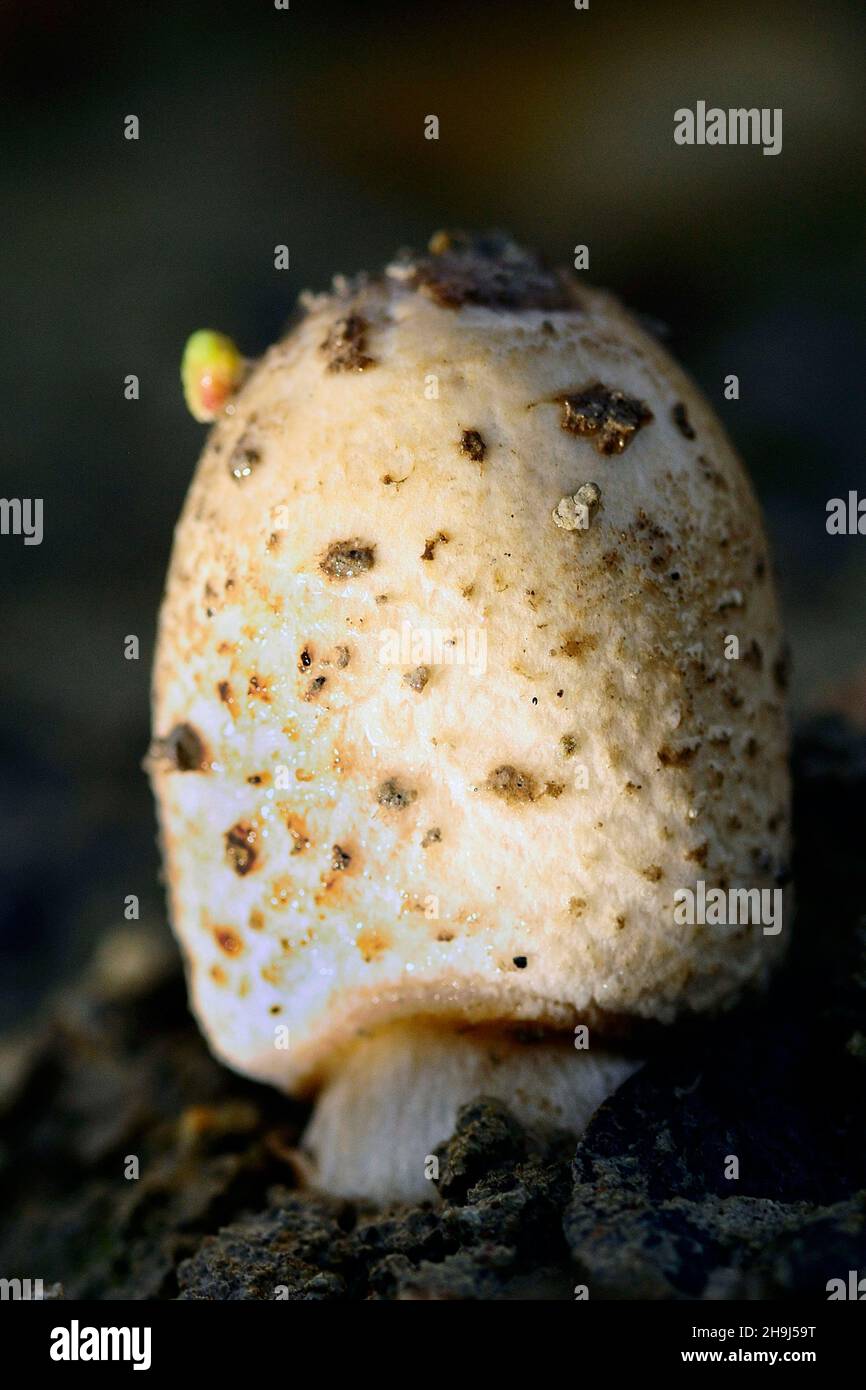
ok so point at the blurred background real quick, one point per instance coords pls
(305, 127)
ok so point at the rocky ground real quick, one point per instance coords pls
(116, 1069)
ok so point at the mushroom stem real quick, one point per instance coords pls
(379, 1119)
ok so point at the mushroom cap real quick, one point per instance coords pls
(425, 749)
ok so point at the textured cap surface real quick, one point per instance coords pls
(421, 748)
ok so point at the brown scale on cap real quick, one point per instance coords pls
(490, 270)
(576, 645)
(346, 345)
(512, 785)
(228, 940)
(185, 748)
(245, 456)
(753, 656)
(681, 420)
(676, 757)
(372, 942)
(782, 669)
(258, 688)
(473, 446)
(226, 694)
(394, 796)
(604, 414)
(298, 832)
(430, 545)
(417, 679)
(240, 844)
(346, 559)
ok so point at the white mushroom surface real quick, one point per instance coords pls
(428, 755)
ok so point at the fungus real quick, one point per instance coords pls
(521, 838)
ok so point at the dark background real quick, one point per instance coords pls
(261, 127)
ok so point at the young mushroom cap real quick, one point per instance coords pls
(358, 856)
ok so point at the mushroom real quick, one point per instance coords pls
(513, 839)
